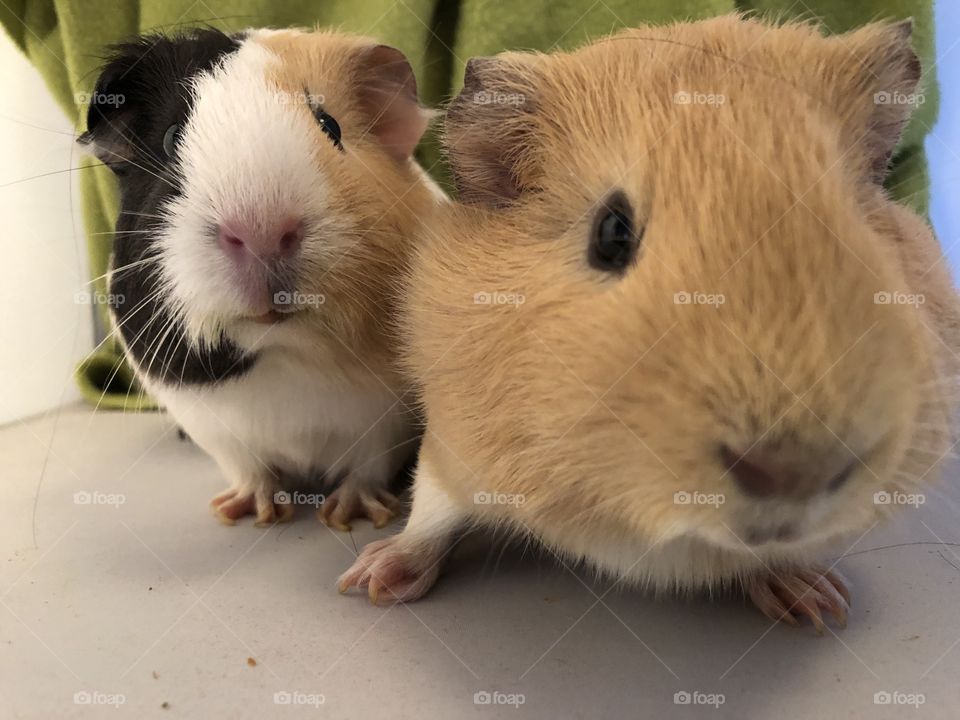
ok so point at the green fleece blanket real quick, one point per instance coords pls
(66, 39)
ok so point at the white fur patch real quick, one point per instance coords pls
(246, 152)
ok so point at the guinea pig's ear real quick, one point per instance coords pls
(489, 130)
(113, 105)
(877, 89)
(387, 92)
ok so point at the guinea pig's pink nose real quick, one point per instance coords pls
(765, 474)
(263, 240)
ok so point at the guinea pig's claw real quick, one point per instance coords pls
(347, 503)
(391, 573)
(233, 504)
(831, 594)
(271, 513)
(769, 604)
(808, 594)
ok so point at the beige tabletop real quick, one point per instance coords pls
(120, 596)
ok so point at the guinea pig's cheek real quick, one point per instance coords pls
(190, 269)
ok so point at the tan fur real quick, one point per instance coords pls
(598, 398)
(362, 284)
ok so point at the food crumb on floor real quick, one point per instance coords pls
(165, 705)
(251, 662)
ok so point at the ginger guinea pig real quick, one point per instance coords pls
(268, 200)
(670, 332)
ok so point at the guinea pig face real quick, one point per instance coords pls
(250, 168)
(681, 319)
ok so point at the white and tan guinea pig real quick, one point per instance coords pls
(269, 200)
(678, 330)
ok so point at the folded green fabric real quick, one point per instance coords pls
(66, 41)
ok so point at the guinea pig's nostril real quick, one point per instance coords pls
(765, 471)
(749, 474)
(266, 240)
(229, 238)
(838, 480)
(290, 240)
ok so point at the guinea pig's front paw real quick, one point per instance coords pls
(394, 571)
(260, 501)
(349, 502)
(792, 594)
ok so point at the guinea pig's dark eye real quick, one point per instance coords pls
(615, 240)
(325, 120)
(171, 138)
(330, 126)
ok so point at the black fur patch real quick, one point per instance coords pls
(141, 93)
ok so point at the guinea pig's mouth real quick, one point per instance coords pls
(278, 305)
(774, 527)
(271, 317)
(784, 533)
(759, 540)
(750, 538)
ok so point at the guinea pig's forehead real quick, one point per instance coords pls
(171, 63)
(317, 62)
(242, 83)
(162, 77)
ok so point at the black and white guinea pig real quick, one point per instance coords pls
(268, 200)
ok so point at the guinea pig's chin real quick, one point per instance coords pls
(207, 326)
(792, 539)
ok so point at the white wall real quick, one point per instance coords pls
(44, 332)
